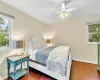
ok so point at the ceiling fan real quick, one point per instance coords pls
(64, 12)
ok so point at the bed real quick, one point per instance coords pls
(39, 54)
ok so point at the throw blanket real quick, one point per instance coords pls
(57, 60)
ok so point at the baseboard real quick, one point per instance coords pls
(92, 62)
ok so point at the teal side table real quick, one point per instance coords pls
(15, 61)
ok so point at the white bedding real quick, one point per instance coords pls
(57, 60)
(32, 55)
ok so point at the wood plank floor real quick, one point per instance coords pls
(84, 71)
(79, 71)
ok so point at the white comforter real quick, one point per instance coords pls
(57, 60)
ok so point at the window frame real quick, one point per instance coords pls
(90, 23)
(9, 33)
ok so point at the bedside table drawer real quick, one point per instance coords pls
(18, 62)
(25, 59)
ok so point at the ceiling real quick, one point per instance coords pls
(43, 10)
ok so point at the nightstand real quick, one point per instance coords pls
(15, 61)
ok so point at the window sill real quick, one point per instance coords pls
(5, 49)
(93, 42)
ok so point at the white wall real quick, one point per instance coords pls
(24, 27)
(73, 33)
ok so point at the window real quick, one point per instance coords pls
(94, 33)
(4, 32)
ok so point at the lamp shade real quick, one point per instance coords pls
(48, 41)
(18, 44)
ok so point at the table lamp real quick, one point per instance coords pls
(48, 41)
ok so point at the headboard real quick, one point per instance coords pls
(36, 42)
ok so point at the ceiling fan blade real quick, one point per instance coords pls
(76, 3)
(71, 9)
(68, 10)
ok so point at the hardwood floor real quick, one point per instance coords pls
(84, 71)
(79, 71)
(36, 75)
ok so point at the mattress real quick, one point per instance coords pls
(41, 55)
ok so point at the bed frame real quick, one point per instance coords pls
(44, 70)
(39, 40)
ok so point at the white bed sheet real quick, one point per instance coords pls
(32, 55)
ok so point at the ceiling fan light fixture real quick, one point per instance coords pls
(63, 15)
